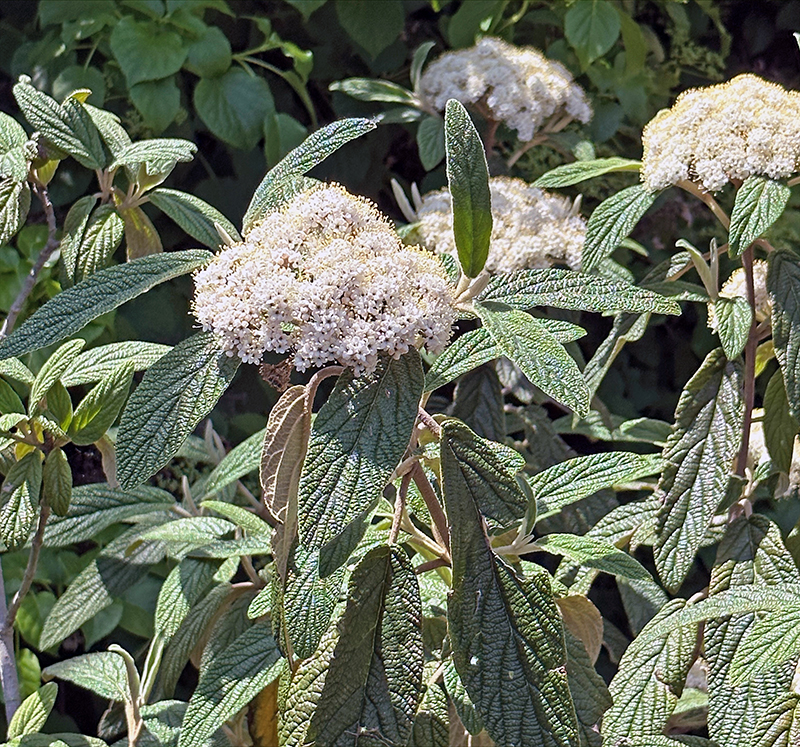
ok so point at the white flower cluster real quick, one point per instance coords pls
(519, 85)
(327, 278)
(728, 131)
(531, 228)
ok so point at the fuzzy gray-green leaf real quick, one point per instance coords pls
(20, 500)
(699, 458)
(98, 410)
(594, 553)
(33, 712)
(175, 394)
(732, 317)
(237, 463)
(101, 238)
(181, 589)
(783, 283)
(769, 642)
(71, 310)
(539, 356)
(15, 201)
(566, 289)
(193, 215)
(760, 201)
(469, 351)
(780, 426)
(779, 725)
(375, 679)
(347, 464)
(612, 221)
(468, 180)
(95, 364)
(580, 171)
(233, 677)
(102, 673)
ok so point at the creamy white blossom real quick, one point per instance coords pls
(518, 85)
(531, 228)
(732, 130)
(326, 278)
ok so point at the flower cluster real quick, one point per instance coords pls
(728, 131)
(518, 85)
(531, 227)
(327, 278)
(736, 286)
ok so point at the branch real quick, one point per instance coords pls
(749, 363)
(8, 664)
(709, 200)
(50, 246)
(440, 528)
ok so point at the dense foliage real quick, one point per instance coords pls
(517, 465)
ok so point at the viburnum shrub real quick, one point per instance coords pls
(386, 580)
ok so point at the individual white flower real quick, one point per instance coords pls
(327, 278)
(531, 228)
(732, 130)
(518, 85)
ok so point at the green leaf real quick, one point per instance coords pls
(51, 372)
(750, 552)
(432, 722)
(12, 133)
(733, 317)
(182, 588)
(488, 470)
(649, 681)
(418, 61)
(783, 283)
(369, 89)
(374, 26)
(468, 180)
(506, 634)
(59, 739)
(72, 238)
(108, 124)
(210, 55)
(347, 466)
(579, 171)
(15, 201)
(431, 142)
(478, 401)
(102, 673)
(141, 237)
(240, 461)
(699, 457)
(539, 356)
(107, 576)
(591, 27)
(98, 410)
(33, 711)
(146, 50)
(14, 369)
(76, 77)
(313, 151)
(613, 220)
(760, 201)
(57, 482)
(589, 691)
(9, 400)
(780, 427)
(239, 516)
(194, 216)
(158, 101)
(233, 677)
(67, 126)
(460, 699)
(233, 106)
(469, 351)
(96, 364)
(375, 678)
(156, 157)
(72, 309)
(93, 508)
(175, 394)
(573, 480)
(566, 289)
(768, 643)
(779, 725)
(594, 553)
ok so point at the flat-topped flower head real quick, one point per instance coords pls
(733, 130)
(531, 228)
(326, 278)
(518, 85)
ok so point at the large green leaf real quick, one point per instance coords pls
(33, 712)
(101, 238)
(594, 553)
(233, 677)
(374, 26)
(591, 27)
(68, 126)
(347, 464)
(107, 576)
(175, 394)
(506, 634)
(93, 508)
(468, 180)
(750, 552)
(783, 283)
(733, 317)
(95, 364)
(193, 215)
(649, 681)
(431, 142)
(768, 643)
(375, 677)
(699, 458)
(146, 50)
(98, 410)
(779, 725)
(20, 509)
(181, 589)
(759, 203)
(15, 201)
(237, 463)
(102, 673)
(314, 150)
(469, 351)
(539, 356)
(488, 470)
(612, 221)
(780, 426)
(566, 289)
(571, 481)
(579, 171)
(72, 309)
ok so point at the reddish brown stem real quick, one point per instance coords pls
(749, 363)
